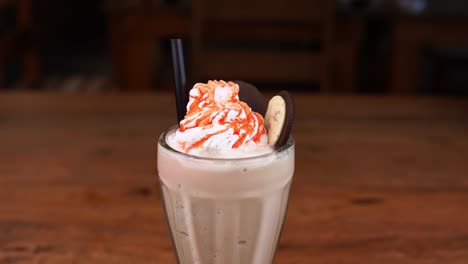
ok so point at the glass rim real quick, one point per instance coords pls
(162, 142)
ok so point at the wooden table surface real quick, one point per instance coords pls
(378, 180)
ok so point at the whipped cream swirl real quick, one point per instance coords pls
(217, 120)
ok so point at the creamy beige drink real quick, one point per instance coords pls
(225, 196)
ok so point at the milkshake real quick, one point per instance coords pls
(225, 189)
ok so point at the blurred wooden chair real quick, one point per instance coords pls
(135, 34)
(17, 42)
(442, 61)
(411, 35)
(287, 41)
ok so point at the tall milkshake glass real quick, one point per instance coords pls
(223, 210)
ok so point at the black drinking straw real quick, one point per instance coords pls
(180, 80)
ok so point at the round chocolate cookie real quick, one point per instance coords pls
(249, 94)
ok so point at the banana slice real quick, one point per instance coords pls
(279, 118)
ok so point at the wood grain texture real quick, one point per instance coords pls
(378, 180)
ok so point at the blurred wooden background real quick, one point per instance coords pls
(390, 46)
